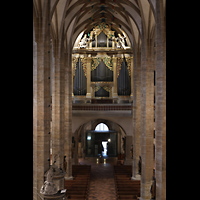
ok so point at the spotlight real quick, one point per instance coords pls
(88, 137)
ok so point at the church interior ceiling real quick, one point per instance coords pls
(71, 17)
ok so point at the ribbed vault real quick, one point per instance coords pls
(70, 17)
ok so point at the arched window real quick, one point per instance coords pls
(101, 127)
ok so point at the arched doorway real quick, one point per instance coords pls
(100, 137)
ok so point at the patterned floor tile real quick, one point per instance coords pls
(102, 185)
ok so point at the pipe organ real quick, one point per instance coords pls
(102, 66)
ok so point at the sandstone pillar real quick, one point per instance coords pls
(160, 108)
(132, 74)
(73, 63)
(147, 121)
(58, 111)
(41, 99)
(68, 115)
(136, 117)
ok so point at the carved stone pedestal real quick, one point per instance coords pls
(57, 196)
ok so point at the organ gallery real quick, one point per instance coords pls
(99, 99)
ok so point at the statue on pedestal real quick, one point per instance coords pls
(49, 188)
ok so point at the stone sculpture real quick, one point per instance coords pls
(49, 188)
(83, 42)
(120, 41)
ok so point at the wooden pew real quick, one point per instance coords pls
(78, 188)
(125, 187)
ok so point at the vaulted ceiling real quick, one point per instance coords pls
(70, 17)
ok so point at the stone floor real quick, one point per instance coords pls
(102, 185)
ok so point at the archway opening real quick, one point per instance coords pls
(101, 137)
(101, 128)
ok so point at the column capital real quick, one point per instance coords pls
(114, 59)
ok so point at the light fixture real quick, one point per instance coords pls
(109, 140)
(88, 137)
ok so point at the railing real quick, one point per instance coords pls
(102, 107)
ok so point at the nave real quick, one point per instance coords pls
(107, 180)
(98, 61)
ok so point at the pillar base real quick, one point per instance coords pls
(69, 178)
(137, 177)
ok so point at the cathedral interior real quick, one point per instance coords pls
(99, 99)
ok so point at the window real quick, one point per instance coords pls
(101, 127)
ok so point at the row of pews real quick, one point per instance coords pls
(78, 188)
(125, 187)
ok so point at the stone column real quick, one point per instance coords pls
(160, 107)
(68, 115)
(62, 104)
(72, 81)
(58, 111)
(114, 61)
(56, 108)
(132, 73)
(35, 188)
(41, 99)
(136, 117)
(147, 121)
(88, 95)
